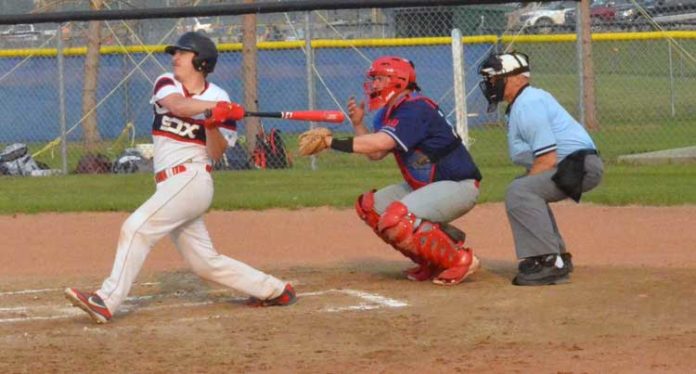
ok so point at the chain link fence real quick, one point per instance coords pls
(643, 70)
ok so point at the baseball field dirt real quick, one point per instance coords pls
(630, 306)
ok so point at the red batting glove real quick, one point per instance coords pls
(223, 112)
(235, 112)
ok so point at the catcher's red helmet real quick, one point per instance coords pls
(402, 76)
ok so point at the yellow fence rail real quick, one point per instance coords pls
(393, 42)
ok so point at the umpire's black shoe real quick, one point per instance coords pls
(568, 261)
(541, 271)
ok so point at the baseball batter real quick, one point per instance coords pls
(189, 115)
(560, 158)
(441, 179)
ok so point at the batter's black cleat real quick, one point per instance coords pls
(288, 297)
(90, 303)
(541, 271)
(568, 261)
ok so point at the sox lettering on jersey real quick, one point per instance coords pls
(179, 127)
(183, 129)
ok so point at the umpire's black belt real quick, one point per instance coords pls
(570, 173)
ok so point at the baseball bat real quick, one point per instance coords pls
(334, 116)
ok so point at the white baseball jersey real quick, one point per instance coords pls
(180, 139)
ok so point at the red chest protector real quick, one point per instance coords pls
(416, 157)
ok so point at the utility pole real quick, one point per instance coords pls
(89, 92)
(588, 75)
(249, 76)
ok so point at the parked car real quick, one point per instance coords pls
(201, 24)
(629, 12)
(544, 18)
(675, 13)
(612, 14)
(601, 12)
(21, 32)
(666, 13)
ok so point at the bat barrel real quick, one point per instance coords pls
(333, 116)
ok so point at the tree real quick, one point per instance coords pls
(249, 71)
(89, 92)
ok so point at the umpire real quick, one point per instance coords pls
(561, 161)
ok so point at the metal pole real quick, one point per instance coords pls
(671, 80)
(126, 96)
(311, 94)
(581, 69)
(61, 99)
(458, 73)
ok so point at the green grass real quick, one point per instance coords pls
(327, 186)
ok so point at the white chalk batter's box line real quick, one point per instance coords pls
(368, 301)
(49, 290)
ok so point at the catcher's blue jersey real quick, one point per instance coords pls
(428, 148)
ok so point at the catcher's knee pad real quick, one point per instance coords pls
(365, 207)
(396, 226)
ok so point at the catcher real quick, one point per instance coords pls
(441, 180)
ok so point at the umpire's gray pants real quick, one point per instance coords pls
(527, 201)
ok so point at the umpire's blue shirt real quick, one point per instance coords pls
(538, 124)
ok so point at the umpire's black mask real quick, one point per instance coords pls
(493, 89)
(495, 69)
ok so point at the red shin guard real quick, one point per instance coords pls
(365, 207)
(428, 245)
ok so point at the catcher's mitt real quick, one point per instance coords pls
(314, 141)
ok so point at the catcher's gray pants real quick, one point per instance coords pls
(442, 201)
(527, 201)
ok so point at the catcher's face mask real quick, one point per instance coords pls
(399, 73)
(495, 70)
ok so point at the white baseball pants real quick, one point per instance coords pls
(177, 209)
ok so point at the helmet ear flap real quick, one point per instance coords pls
(200, 65)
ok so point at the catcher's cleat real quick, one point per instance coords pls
(288, 297)
(541, 271)
(90, 303)
(457, 273)
(421, 273)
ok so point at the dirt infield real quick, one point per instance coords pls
(629, 309)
